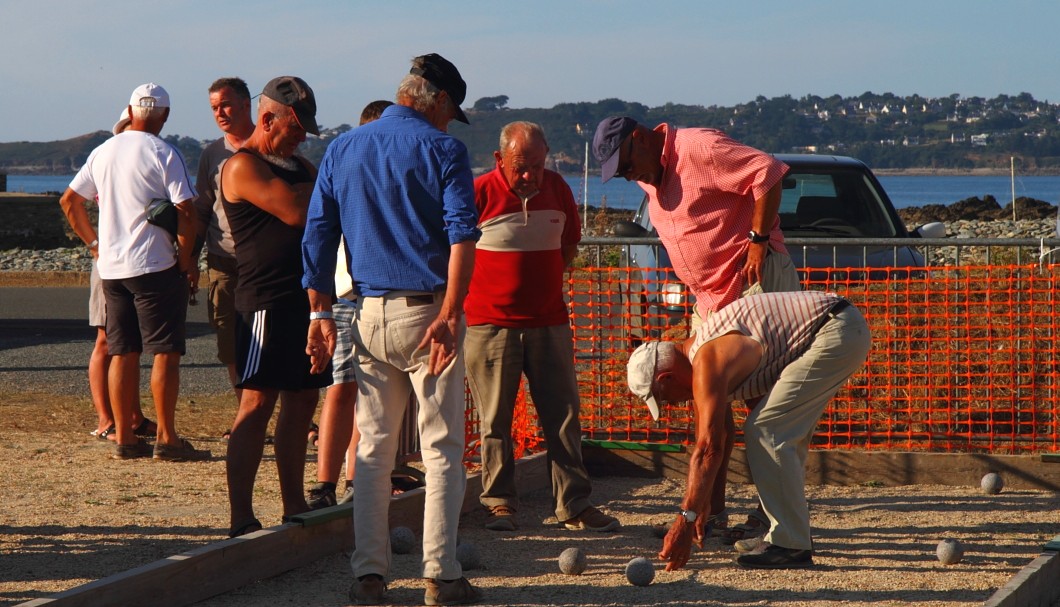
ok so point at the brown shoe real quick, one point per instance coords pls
(592, 519)
(368, 589)
(451, 592)
(138, 449)
(502, 518)
(181, 452)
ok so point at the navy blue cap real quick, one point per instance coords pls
(440, 72)
(610, 134)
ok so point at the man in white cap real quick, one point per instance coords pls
(785, 354)
(145, 279)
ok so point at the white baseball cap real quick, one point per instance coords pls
(149, 95)
(123, 121)
(640, 374)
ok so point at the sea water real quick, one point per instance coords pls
(904, 190)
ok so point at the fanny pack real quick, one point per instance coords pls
(163, 213)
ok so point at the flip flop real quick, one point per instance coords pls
(247, 527)
(146, 428)
(106, 433)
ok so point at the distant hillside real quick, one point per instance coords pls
(884, 130)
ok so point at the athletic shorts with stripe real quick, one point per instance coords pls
(270, 350)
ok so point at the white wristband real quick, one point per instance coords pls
(93, 244)
(320, 316)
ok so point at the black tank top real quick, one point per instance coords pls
(268, 251)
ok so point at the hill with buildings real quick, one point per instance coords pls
(884, 130)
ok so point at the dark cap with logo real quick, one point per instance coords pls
(441, 73)
(293, 92)
(610, 134)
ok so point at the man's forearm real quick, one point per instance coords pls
(73, 205)
(766, 208)
(461, 265)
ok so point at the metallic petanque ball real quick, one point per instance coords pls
(572, 561)
(992, 483)
(468, 556)
(949, 552)
(402, 540)
(640, 571)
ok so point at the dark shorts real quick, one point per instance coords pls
(270, 350)
(146, 313)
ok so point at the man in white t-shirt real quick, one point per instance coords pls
(145, 278)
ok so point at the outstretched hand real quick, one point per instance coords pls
(677, 546)
(441, 338)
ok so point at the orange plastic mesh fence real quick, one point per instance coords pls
(964, 359)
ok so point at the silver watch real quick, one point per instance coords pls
(689, 516)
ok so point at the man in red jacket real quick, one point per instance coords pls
(517, 323)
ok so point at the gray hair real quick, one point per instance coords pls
(418, 91)
(529, 130)
(147, 113)
(270, 105)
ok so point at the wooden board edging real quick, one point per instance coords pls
(223, 566)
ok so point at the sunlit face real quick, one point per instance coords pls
(229, 109)
(668, 389)
(286, 134)
(523, 164)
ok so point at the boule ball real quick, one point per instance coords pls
(992, 483)
(402, 540)
(572, 561)
(640, 571)
(468, 555)
(949, 551)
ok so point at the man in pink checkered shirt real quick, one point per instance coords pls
(713, 201)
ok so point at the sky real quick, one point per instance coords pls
(69, 66)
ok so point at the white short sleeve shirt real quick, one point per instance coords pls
(124, 174)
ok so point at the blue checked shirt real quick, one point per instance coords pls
(401, 192)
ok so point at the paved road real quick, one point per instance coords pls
(45, 342)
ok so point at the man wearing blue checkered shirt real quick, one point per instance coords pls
(400, 191)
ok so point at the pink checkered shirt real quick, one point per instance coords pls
(703, 208)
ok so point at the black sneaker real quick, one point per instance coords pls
(769, 556)
(321, 495)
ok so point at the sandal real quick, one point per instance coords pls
(314, 435)
(753, 527)
(248, 527)
(146, 428)
(106, 433)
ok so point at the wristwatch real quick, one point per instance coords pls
(755, 237)
(689, 516)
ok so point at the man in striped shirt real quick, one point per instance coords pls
(784, 354)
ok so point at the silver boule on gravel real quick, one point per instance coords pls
(572, 561)
(949, 551)
(640, 571)
(468, 556)
(992, 483)
(402, 540)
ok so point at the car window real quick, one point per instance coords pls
(834, 204)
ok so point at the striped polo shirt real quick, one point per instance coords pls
(783, 323)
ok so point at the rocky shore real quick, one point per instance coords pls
(971, 218)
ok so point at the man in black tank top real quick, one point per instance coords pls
(264, 189)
